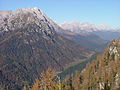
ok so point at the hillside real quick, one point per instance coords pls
(101, 74)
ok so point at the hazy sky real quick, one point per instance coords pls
(92, 11)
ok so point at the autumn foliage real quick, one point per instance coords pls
(47, 81)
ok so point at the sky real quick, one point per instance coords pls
(92, 11)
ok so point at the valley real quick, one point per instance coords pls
(79, 65)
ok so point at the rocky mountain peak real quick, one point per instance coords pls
(26, 17)
(35, 11)
(30, 9)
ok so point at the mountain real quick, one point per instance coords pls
(103, 31)
(29, 44)
(103, 73)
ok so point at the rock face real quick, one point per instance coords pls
(29, 45)
(104, 72)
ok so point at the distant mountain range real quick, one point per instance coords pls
(104, 32)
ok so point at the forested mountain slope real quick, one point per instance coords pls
(102, 73)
